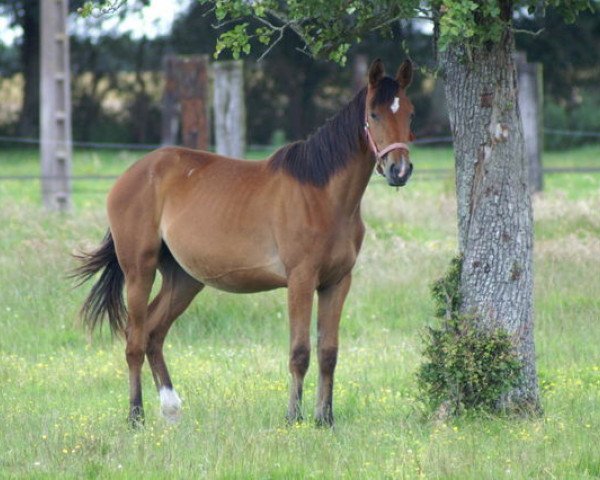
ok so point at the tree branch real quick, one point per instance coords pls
(277, 40)
(226, 23)
(528, 32)
(291, 24)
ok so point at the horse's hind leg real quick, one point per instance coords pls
(331, 301)
(177, 291)
(139, 266)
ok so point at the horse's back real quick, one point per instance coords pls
(172, 173)
(214, 213)
(234, 224)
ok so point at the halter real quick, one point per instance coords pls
(379, 154)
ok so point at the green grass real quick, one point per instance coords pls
(63, 399)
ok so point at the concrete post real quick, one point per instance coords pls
(530, 80)
(55, 108)
(229, 108)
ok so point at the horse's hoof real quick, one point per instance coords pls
(324, 421)
(136, 417)
(294, 418)
(170, 405)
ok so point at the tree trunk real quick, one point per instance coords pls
(30, 61)
(494, 209)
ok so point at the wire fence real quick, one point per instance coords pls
(572, 133)
(152, 146)
(424, 174)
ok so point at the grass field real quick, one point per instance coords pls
(63, 401)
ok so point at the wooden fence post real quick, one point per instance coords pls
(55, 108)
(530, 80)
(186, 87)
(192, 75)
(229, 108)
(170, 103)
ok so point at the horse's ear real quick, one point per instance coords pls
(404, 75)
(376, 72)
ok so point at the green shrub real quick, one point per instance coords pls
(465, 367)
(579, 120)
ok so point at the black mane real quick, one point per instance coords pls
(316, 159)
(328, 150)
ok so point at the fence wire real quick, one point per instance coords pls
(423, 174)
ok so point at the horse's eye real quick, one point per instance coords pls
(374, 116)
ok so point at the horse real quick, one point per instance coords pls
(292, 220)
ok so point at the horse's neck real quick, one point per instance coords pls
(347, 187)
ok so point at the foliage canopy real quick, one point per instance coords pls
(329, 28)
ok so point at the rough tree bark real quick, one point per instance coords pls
(494, 209)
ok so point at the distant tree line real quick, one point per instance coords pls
(117, 80)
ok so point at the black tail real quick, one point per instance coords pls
(106, 297)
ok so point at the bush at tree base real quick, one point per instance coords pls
(465, 367)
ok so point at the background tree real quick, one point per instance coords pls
(113, 85)
(129, 71)
(290, 89)
(476, 45)
(26, 14)
(570, 54)
(300, 91)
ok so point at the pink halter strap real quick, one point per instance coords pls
(381, 153)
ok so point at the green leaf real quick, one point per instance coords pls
(327, 27)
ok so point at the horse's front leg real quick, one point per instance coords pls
(301, 288)
(331, 301)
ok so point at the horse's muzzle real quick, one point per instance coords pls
(399, 174)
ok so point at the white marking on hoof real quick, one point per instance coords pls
(170, 405)
(396, 105)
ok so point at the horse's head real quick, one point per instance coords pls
(388, 113)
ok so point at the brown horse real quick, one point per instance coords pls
(291, 221)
